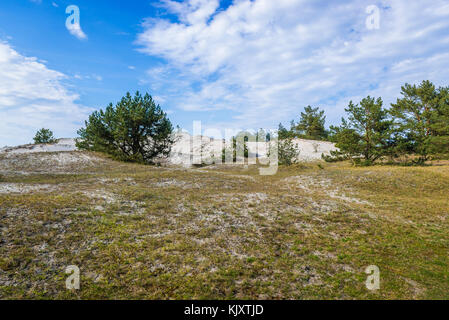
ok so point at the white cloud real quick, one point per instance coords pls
(33, 96)
(75, 30)
(265, 60)
(88, 77)
(192, 11)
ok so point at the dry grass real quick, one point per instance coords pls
(222, 232)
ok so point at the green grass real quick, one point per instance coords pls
(308, 232)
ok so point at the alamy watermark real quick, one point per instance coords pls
(373, 20)
(244, 148)
(72, 22)
(373, 280)
(73, 280)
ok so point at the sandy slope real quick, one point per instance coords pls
(61, 145)
(185, 146)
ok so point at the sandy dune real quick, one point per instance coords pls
(186, 146)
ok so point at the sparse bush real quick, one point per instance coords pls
(334, 156)
(44, 136)
(288, 151)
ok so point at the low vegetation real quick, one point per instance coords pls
(224, 231)
(221, 232)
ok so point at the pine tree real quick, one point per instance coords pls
(311, 124)
(364, 138)
(283, 133)
(44, 136)
(421, 120)
(136, 129)
(439, 140)
(347, 140)
(287, 150)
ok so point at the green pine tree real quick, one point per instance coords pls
(136, 129)
(44, 136)
(283, 133)
(421, 120)
(439, 139)
(311, 124)
(364, 137)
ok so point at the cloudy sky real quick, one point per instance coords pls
(231, 64)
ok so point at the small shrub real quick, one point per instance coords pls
(287, 151)
(44, 136)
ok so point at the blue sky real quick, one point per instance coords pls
(231, 64)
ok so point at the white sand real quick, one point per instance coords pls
(185, 146)
(309, 150)
(61, 145)
(23, 188)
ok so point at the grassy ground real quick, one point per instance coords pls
(144, 232)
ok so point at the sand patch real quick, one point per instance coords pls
(6, 188)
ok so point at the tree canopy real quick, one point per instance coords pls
(135, 129)
(311, 124)
(421, 119)
(366, 133)
(44, 136)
